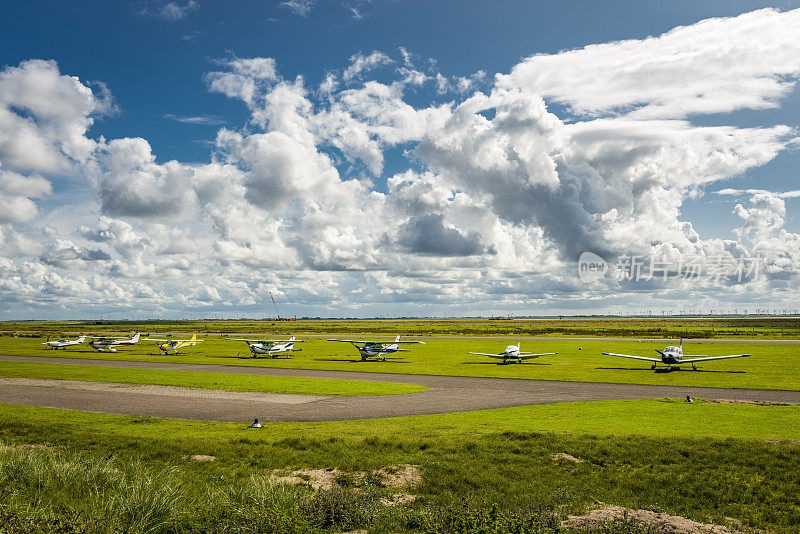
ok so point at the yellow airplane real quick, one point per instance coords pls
(167, 345)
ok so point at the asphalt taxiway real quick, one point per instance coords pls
(445, 394)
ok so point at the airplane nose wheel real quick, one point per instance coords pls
(694, 367)
(653, 366)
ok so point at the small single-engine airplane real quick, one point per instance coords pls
(64, 343)
(110, 343)
(674, 356)
(270, 347)
(167, 345)
(512, 354)
(378, 349)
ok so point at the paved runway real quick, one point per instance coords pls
(446, 394)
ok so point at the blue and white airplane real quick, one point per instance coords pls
(512, 354)
(378, 349)
(269, 347)
(674, 356)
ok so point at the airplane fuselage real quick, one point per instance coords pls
(101, 344)
(173, 345)
(511, 353)
(672, 355)
(376, 350)
(62, 344)
(267, 348)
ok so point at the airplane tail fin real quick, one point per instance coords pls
(681, 345)
(194, 337)
(397, 339)
(291, 338)
(81, 339)
(135, 338)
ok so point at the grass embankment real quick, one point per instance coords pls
(203, 380)
(700, 460)
(656, 327)
(772, 366)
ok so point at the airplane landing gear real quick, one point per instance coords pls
(653, 366)
(694, 367)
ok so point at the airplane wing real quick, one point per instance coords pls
(633, 357)
(273, 341)
(395, 342)
(525, 355)
(352, 341)
(491, 355)
(716, 358)
(168, 340)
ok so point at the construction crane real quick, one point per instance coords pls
(277, 314)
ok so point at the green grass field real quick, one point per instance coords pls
(772, 366)
(731, 464)
(192, 379)
(704, 461)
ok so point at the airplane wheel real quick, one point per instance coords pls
(694, 368)
(652, 367)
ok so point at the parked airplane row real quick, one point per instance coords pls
(267, 347)
(110, 343)
(672, 355)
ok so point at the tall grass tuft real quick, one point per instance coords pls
(44, 485)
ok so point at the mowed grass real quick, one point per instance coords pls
(203, 380)
(667, 418)
(771, 366)
(764, 327)
(704, 461)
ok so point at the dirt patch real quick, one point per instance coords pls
(199, 457)
(400, 476)
(37, 446)
(316, 478)
(393, 476)
(398, 499)
(564, 456)
(667, 524)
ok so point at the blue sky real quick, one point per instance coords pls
(475, 248)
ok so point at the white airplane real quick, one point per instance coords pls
(270, 347)
(378, 349)
(675, 356)
(110, 343)
(64, 343)
(167, 345)
(512, 353)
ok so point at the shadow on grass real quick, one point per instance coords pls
(251, 357)
(665, 370)
(503, 363)
(359, 360)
